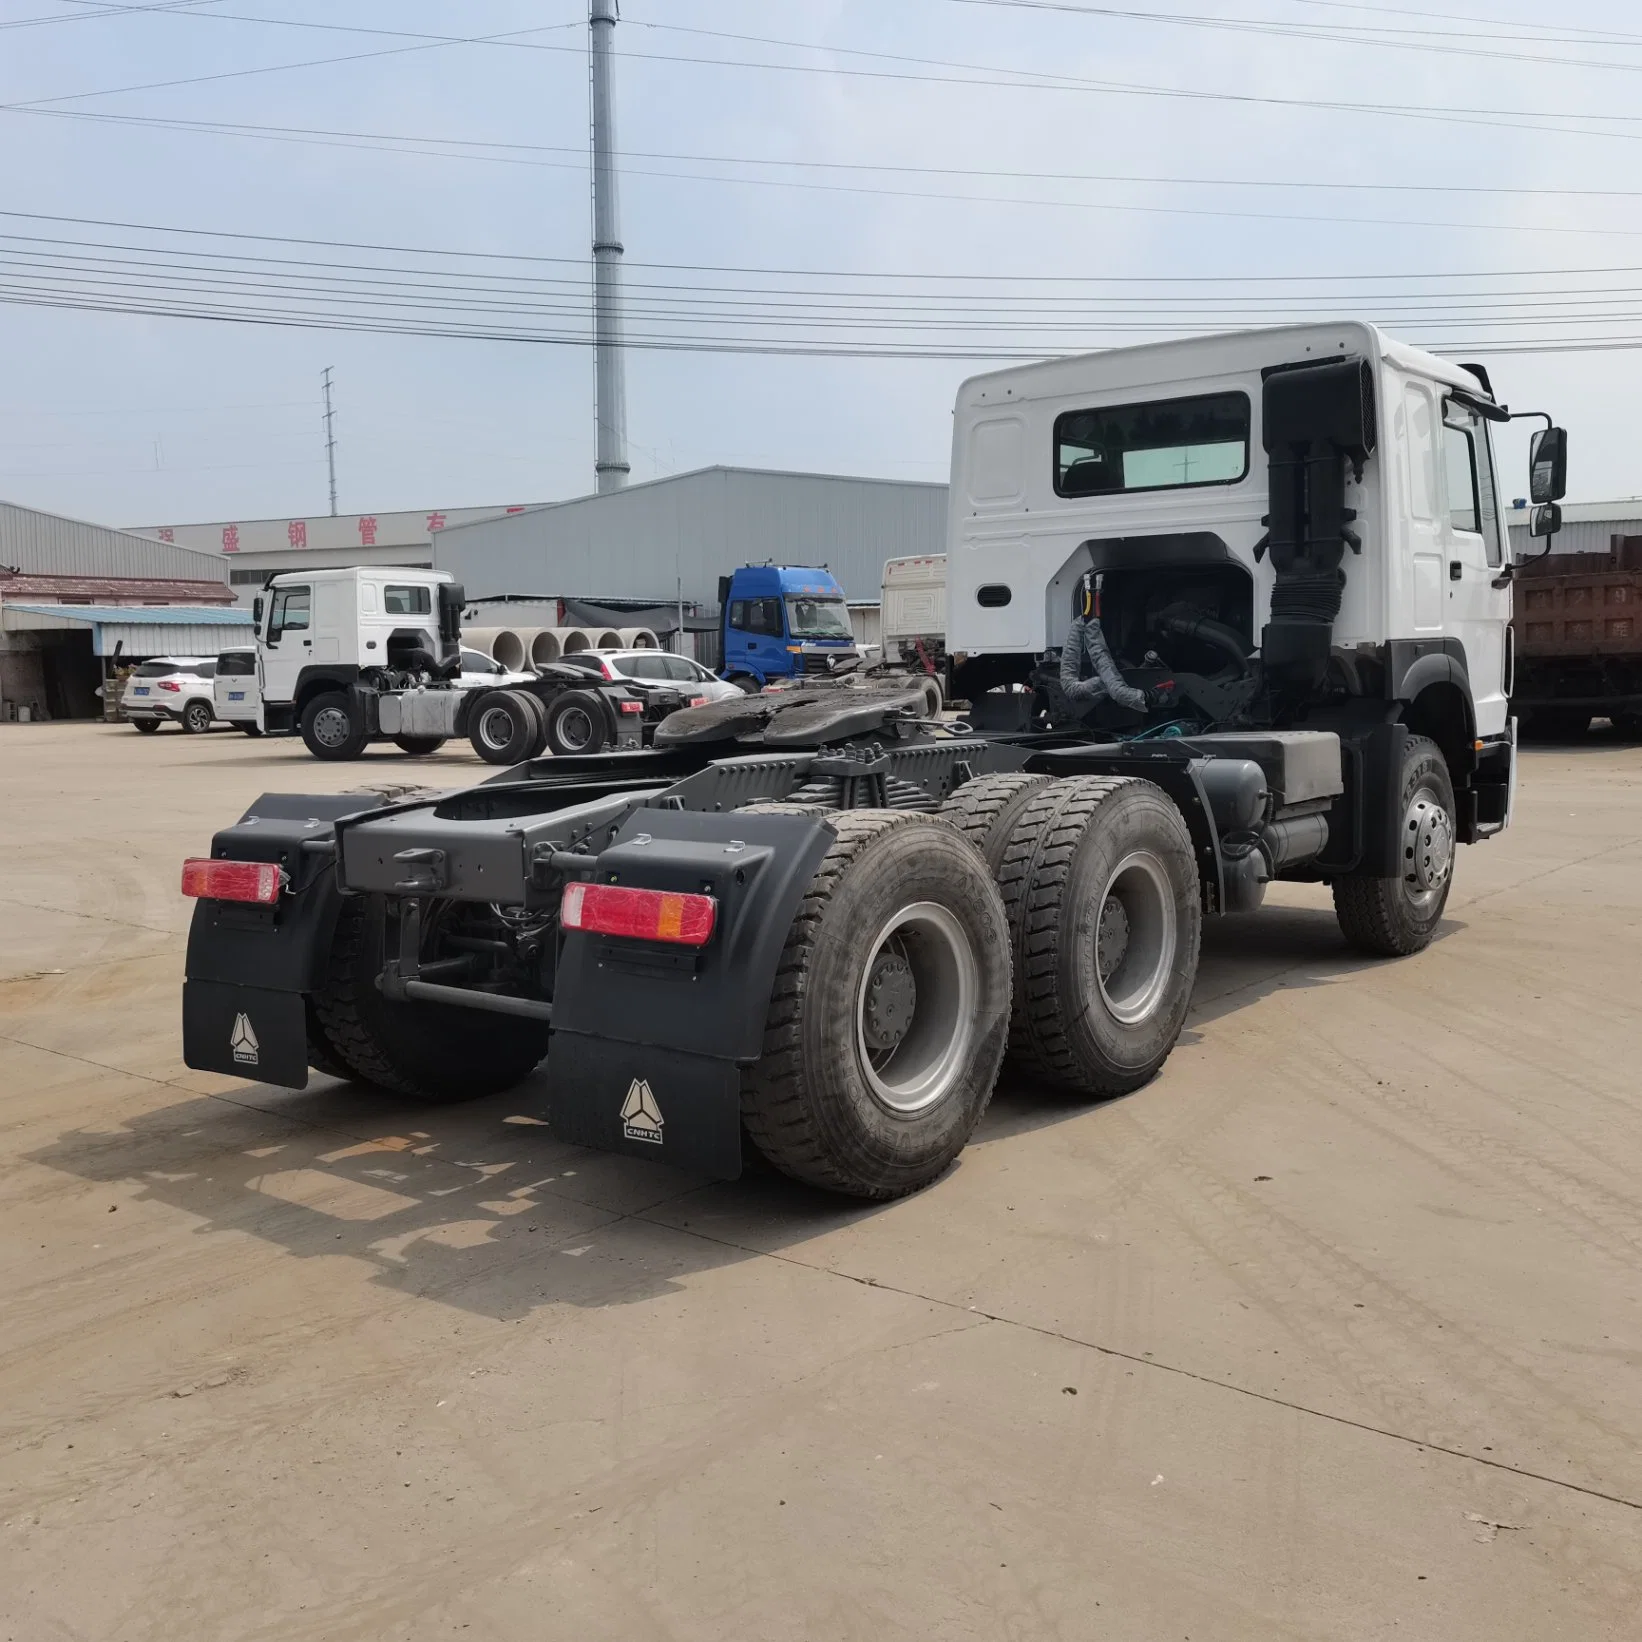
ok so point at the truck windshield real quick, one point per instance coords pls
(818, 619)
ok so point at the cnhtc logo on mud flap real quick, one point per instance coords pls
(641, 1118)
(243, 1041)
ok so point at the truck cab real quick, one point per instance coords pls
(783, 622)
(323, 631)
(1301, 527)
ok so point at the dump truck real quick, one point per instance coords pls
(814, 924)
(1578, 636)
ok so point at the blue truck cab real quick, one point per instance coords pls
(784, 621)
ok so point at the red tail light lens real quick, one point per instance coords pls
(632, 706)
(169, 684)
(699, 701)
(639, 914)
(257, 881)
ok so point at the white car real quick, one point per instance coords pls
(170, 690)
(478, 668)
(643, 667)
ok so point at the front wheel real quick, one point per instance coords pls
(331, 729)
(196, 718)
(1396, 917)
(145, 726)
(890, 1010)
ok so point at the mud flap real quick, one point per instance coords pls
(659, 1104)
(245, 1031)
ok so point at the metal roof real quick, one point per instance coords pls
(140, 615)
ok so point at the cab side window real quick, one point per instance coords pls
(761, 616)
(290, 612)
(1473, 503)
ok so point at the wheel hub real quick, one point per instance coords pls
(575, 728)
(1428, 845)
(1112, 938)
(495, 728)
(331, 727)
(891, 1000)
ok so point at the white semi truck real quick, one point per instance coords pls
(818, 921)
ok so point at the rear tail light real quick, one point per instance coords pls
(631, 706)
(699, 701)
(168, 684)
(257, 881)
(639, 914)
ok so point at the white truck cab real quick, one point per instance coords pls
(321, 633)
(1303, 523)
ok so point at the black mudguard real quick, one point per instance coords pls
(649, 1038)
(249, 967)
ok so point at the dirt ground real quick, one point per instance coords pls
(1331, 1332)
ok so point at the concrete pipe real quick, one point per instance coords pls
(544, 646)
(508, 649)
(638, 638)
(572, 639)
(481, 638)
(608, 639)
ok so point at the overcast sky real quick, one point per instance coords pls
(1479, 228)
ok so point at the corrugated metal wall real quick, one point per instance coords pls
(633, 543)
(1576, 536)
(43, 544)
(174, 639)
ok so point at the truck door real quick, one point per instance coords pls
(754, 638)
(1477, 612)
(287, 647)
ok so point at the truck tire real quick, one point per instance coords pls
(419, 746)
(1100, 886)
(196, 718)
(145, 726)
(1396, 917)
(425, 1052)
(745, 683)
(934, 700)
(986, 809)
(576, 724)
(890, 1011)
(330, 729)
(506, 726)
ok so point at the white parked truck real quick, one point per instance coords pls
(819, 922)
(350, 657)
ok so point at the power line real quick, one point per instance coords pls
(104, 11)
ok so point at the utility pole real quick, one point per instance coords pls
(330, 440)
(610, 386)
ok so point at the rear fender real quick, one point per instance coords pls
(661, 1030)
(254, 963)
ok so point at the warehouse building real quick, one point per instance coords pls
(672, 537)
(78, 600)
(1587, 527)
(259, 548)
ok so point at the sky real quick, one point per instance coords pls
(833, 211)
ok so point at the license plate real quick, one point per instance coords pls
(236, 695)
(141, 690)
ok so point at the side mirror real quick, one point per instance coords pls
(1548, 466)
(451, 600)
(1545, 520)
(256, 613)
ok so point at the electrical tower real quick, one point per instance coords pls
(330, 440)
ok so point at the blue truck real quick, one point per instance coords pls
(784, 622)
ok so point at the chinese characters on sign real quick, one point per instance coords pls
(367, 529)
(167, 534)
(436, 521)
(296, 533)
(230, 538)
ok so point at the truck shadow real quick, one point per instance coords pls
(478, 1207)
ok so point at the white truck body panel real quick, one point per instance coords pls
(1418, 575)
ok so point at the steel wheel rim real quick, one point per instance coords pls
(575, 728)
(931, 1053)
(1136, 936)
(1428, 849)
(331, 727)
(496, 728)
